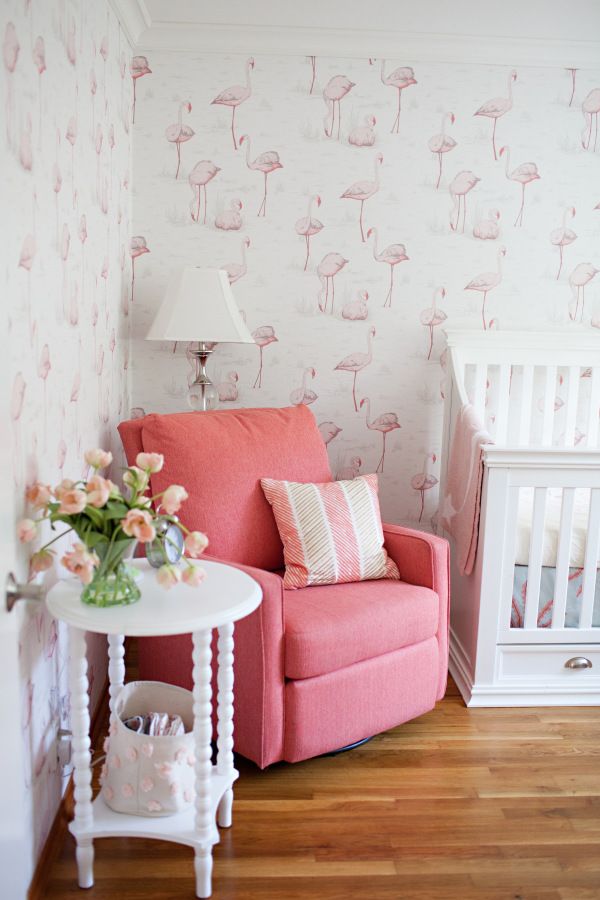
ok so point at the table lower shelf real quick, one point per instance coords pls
(178, 828)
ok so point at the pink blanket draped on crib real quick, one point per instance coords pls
(459, 513)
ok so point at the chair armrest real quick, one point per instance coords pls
(424, 559)
(259, 672)
(421, 558)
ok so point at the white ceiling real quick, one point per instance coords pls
(561, 19)
(510, 32)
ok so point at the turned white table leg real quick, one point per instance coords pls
(116, 667)
(202, 672)
(82, 777)
(225, 719)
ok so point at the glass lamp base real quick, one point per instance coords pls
(202, 396)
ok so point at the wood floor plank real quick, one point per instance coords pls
(458, 805)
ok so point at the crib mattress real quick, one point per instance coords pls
(545, 609)
(552, 526)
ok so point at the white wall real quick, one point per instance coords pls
(67, 303)
(282, 115)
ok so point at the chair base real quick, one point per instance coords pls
(349, 746)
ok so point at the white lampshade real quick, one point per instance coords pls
(199, 305)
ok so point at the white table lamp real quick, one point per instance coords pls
(198, 305)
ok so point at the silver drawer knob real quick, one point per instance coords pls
(578, 662)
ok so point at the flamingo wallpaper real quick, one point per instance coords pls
(359, 206)
(67, 95)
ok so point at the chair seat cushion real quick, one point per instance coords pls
(333, 626)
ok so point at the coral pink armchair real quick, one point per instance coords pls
(315, 669)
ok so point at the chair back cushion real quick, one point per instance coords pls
(219, 457)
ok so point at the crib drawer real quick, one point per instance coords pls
(557, 664)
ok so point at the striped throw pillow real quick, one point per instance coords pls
(331, 533)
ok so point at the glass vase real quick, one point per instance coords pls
(113, 583)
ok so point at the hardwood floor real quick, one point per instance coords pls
(458, 804)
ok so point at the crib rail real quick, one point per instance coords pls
(549, 474)
(531, 388)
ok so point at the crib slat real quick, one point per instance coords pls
(549, 395)
(510, 552)
(592, 545)
(534, 570)
(503, 402)
(479, 391)
(525, 417)
(561, 574)
(572, 397)
(592, 422)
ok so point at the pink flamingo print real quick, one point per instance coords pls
(523, 175)
(424, 481)
(590, 109)
(93, 90)
(266, 163)
(363, 135)
(137, 68)
(25, 148)
(178, 133)
(442, 143)
(460, 186)
(65, 246)
(26, 260)
(10, 53)
(356, 310)
(487, 281)
(43, 371)
(99, 140)
(362, 190)
(497, 107)
(203, 172)
(356, 362)
(432, 316)
(56, 186)
(400, 79)
(70, 43)
(392, 255)
(82, 232)
(234, 96)
(228, 391)
(384, 423)
(328, 268)
(235, 271)
(16, 408)
(71, 137)
(307, 226)
(334, 92)
(263, 336)
(304, 395)
(562, 237)
(230, 219)
(328, 431)
(137, 247)
(573, 78)
(488, 229)
(350, 472)
(578, 279)
(313, 66)
(39, 61)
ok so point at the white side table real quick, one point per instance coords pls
(226, 595)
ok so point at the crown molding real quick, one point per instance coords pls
(134, 18)
(355, 43)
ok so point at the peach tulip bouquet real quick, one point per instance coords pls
(108, 522)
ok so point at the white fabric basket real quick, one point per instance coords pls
(145, 775)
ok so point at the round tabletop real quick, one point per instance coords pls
(225, 595)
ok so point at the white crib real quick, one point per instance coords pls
(525, 631)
